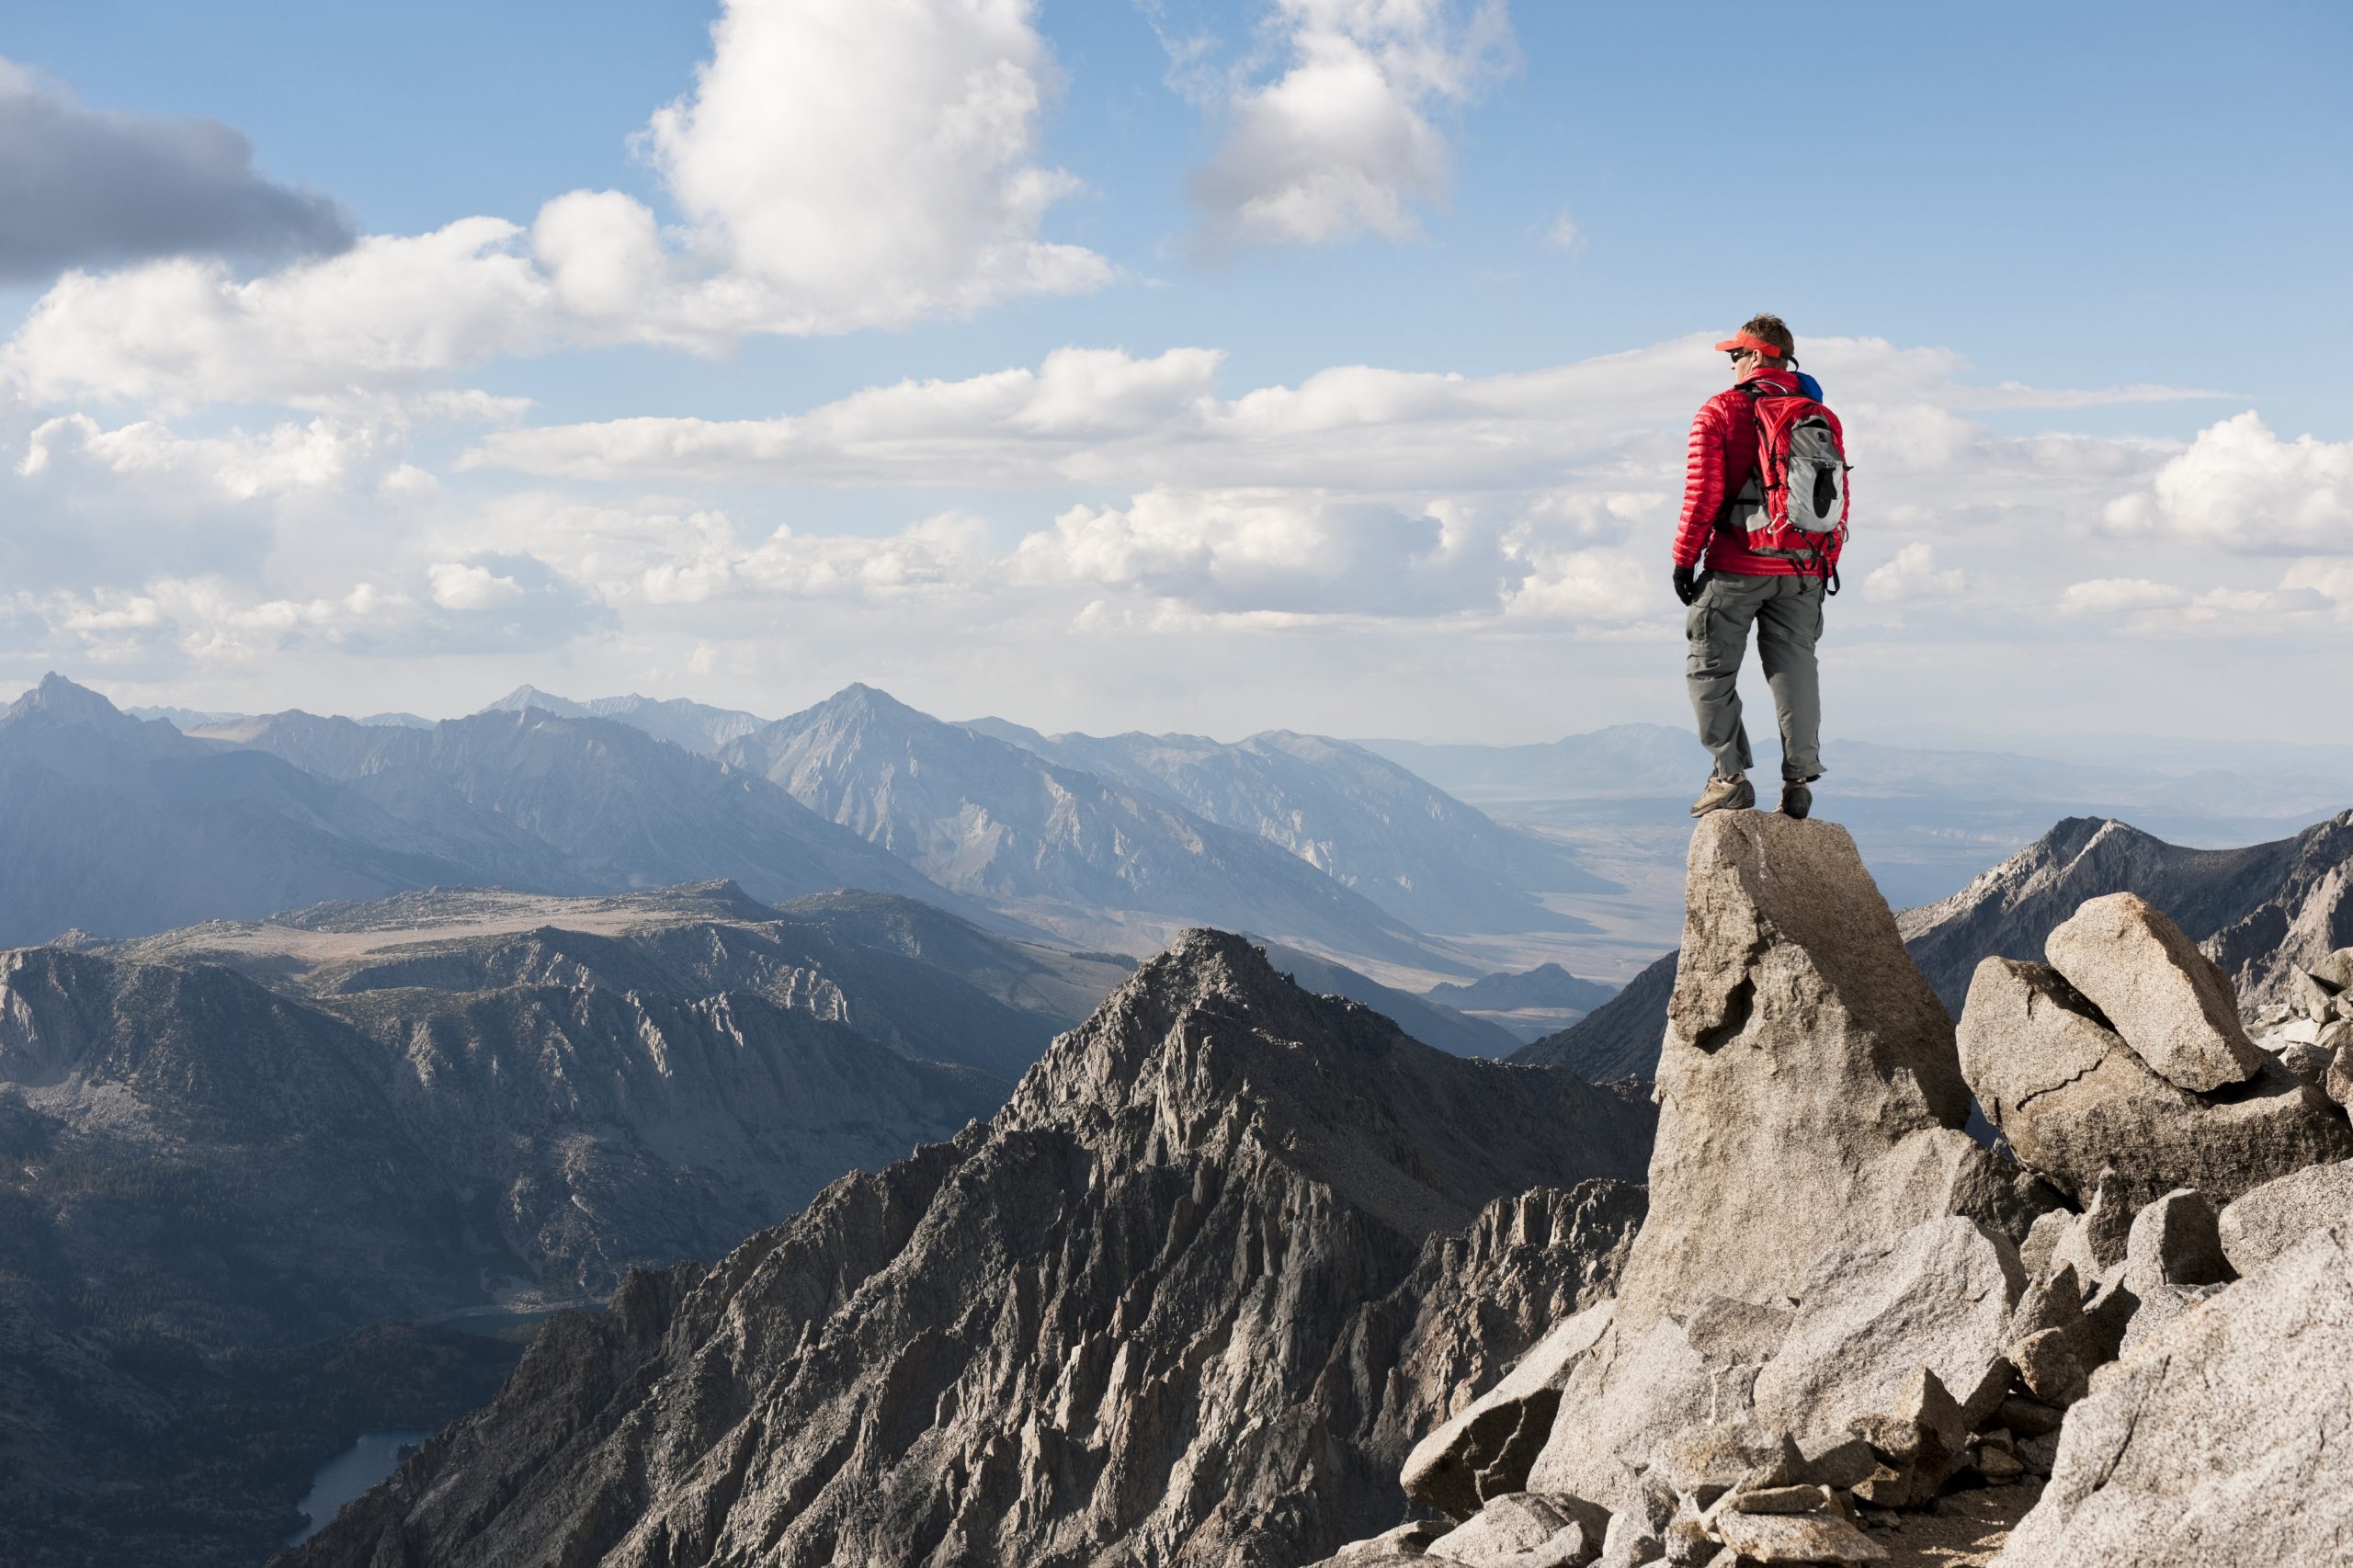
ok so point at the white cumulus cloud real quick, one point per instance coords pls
(838, 165)
(388, 315)
(457, 586)
(1912, 574)
(1341, 141)
(1305, 553)
(320, 454)
(2241, 487)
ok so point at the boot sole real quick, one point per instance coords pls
(1740, 800)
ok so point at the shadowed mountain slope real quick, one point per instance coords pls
(200, 1176)
(901, 972)
(1150, 1314)
(1091, 859)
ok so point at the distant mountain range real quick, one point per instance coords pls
(694, 725)
(1527, 1005)
(1425, 857)
(1094, 861)
(1420, 854)
(617, 808)
(119, 826)
(128, 825)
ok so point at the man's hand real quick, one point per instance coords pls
(1687, 587)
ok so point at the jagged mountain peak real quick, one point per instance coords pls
(858, 700)
(526, 697)
(59, 701)
(1208, 1048)
(82, 736)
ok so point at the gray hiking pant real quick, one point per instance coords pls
(1788, 614)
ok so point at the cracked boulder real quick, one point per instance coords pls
(2168, 1000)
(1521, 1529)
(2073, 1098)
(2226, 1436)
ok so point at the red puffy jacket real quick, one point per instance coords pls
(1722, 459)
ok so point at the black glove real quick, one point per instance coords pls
(1686, 587)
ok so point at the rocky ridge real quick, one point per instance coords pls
(1184, 1301)
(2256, 911)
(1826, 1339)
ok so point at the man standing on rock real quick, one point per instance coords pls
(1764, 515)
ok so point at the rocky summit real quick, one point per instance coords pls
(1846, 1335)
(1186, 1300)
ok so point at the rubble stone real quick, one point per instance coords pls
(2175, 1241)
(1798, 1538)
(2225, 1437)
(2272, 1219)
(1487, 1447)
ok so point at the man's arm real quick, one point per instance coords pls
(1703, 485)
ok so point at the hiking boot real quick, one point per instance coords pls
(1796, 799)
(1724, 795)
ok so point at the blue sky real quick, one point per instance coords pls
(2073, 198)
